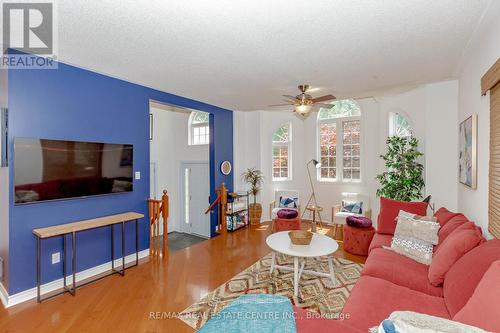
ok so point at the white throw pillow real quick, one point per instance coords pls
(415, 236)
(413, 322)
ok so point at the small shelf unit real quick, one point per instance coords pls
(237, 210)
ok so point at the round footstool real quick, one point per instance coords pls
(357, 240)
(287, 224)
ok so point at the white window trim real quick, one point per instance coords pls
(283, 144)
(340, 150)
(191, 128)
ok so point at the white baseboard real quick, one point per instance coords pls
(26, 295)
(4, 295)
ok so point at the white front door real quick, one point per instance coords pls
(195, 183)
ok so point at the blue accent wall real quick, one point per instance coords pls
(71, 103)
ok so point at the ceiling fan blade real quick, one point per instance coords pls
(291, 97)
(323, 98)
(287, 104)
(324, 105)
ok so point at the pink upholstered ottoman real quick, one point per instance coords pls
(287, 224)
(357, 240)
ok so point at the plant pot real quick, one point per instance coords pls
(255, 213)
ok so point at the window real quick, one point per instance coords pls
(399, 125)
(282, 139)
(339, 142)
(199, 133)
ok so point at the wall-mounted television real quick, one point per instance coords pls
(56, 169)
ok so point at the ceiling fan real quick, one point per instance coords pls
(305, 103)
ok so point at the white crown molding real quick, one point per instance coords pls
(26, 295)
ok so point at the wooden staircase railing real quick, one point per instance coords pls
(221, 203)
(158, 210)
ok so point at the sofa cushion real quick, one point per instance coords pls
(400, 270)
(380, 240)
(464, 276)
(482, 308)
(373, 300)
(453, 223)
(308, 321)
(389, 210)
(443, 215)
(459, 242)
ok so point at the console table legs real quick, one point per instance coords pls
(72, 290)
(123, 250)
(38, 299)
(122, 270)
(73, 263)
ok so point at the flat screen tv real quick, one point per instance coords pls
(54, 169)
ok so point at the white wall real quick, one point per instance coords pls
(441, 143)
(482, 52)
(419, 104)
(169, 149)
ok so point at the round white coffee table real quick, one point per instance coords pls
(321, 245)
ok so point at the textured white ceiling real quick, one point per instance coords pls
(244, 55)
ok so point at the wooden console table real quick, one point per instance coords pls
(72, 228)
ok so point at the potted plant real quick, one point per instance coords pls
(403, 179)
(254, 178)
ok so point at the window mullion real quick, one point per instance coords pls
(340, 150)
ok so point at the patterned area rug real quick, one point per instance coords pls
(316, 293)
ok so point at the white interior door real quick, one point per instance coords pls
(195, 188)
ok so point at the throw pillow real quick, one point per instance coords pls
(459, 242)
(415, 236)
(287, 213)
(286, 202)
(482, 308)
(358, 221)
(414, 322)
(389, 210)
(443, 215)
(415, 249)
(424, 228)
(455, 222)
(355, 207)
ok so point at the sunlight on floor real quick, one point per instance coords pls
(262, 228)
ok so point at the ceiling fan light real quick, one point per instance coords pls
(303, 109)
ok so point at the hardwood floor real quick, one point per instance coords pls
(142, 300)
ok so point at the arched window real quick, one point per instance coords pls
(198, 128)
(399, 125)
(282, 140)
(339, 141)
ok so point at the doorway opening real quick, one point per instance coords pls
(179, 163)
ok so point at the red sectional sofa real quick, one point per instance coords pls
(390, 282)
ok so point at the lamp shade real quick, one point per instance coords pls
(316, 164)
(303, 109)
